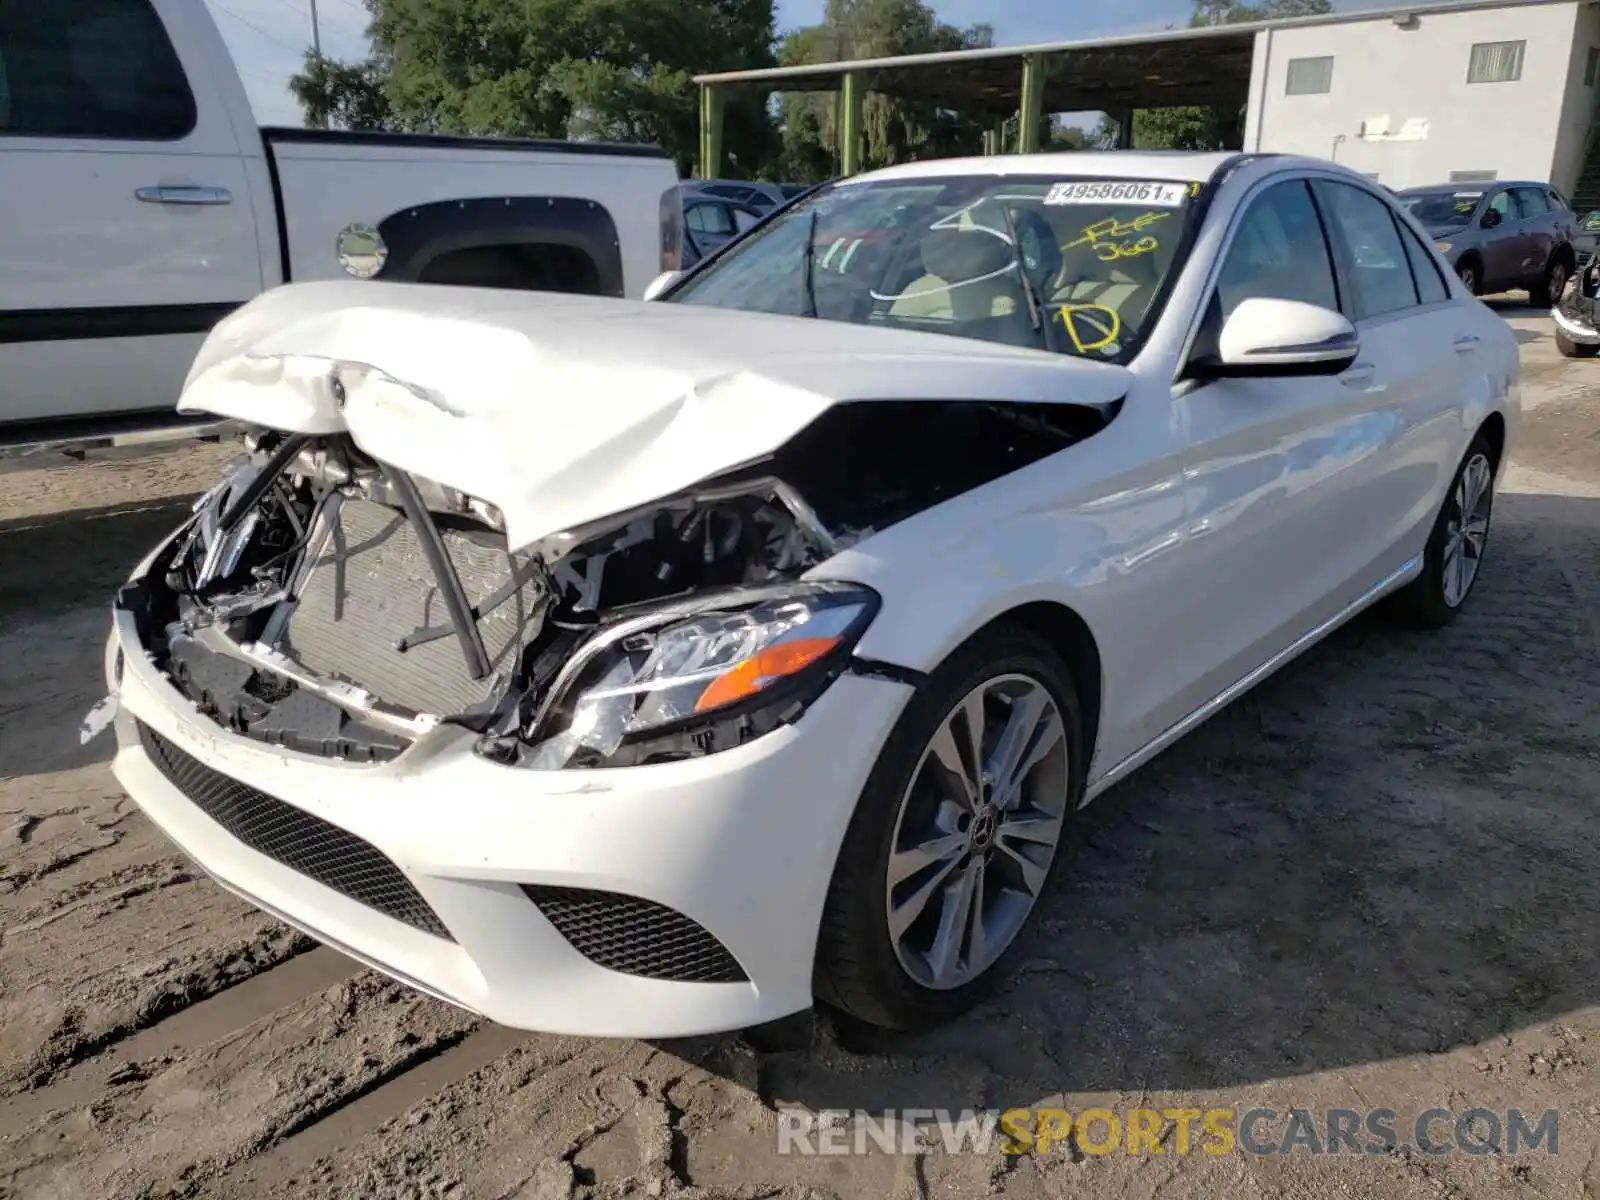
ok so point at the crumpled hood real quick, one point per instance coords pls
(561, 410)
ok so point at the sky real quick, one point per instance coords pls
(269, 37)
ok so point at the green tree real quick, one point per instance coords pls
(595, 69)
(1199, 128)
(341, 95)
(894, 129)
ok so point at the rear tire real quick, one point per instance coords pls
(1572, 349)
(921, 841)
(1453, 557)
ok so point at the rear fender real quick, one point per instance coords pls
(417, 236)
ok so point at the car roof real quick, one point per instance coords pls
(1174, 166)
(1471, 185)
(1171, 165)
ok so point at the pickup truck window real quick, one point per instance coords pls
(91, 69)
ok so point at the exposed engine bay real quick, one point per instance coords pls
(322, 601)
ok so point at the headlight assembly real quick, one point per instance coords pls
(701, 676)
(1444, 247)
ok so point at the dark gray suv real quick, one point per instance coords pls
(1501, 235)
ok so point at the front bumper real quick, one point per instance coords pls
(1573, 324)
(741, 843)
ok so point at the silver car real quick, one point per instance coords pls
(1501, 235)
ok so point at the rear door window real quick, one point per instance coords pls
(90, 69)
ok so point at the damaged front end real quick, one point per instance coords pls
(323, 601)
(1574, 312)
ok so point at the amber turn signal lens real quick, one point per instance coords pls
(756, 672)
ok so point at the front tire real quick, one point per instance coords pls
(1471, 276)
(1548, 290)
(955, 837)
(1452, 559)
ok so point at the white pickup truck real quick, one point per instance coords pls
(140, 203)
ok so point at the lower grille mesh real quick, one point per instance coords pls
(636, 937)
(320, 851)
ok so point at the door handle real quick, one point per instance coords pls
(1466, 344)
(184, 195)
(1358, 376)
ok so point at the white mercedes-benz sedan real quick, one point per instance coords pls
(658, 668)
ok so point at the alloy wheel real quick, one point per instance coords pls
(977, 831)
(1467, 529)
(1469, 279)
(1558, 281)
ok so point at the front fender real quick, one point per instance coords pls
(1112, 560)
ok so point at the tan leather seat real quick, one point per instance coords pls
(1124, 285)
(968, 278)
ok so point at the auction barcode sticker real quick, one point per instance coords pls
(1161, 195)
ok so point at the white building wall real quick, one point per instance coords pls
(1579, 107)
(1402, 109)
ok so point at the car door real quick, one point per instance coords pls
(1298, 486)
(1503, 252)
(1538, 226)
(126, 222)
(1271, 458)
(1419, 347)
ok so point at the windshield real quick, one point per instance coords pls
(1442, 210)
(936, 254)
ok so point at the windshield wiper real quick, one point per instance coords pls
(808, 266)
(1030, 290)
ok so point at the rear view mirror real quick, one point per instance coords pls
(1491, 218)
(1281, 337)
(661, 283)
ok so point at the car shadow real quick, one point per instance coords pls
(1389, 848)
(1515, 304)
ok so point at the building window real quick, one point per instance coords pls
(1496, 62)
(1309, 76)
(1591, 68)
(1473, 176)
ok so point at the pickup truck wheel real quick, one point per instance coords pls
(1455, 549)
(1548, 290)
(1572, 349)
(955, 837)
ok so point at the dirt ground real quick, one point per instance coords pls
(1374, 882)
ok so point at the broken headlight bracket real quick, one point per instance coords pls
(693, 678)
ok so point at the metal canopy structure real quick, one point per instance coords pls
(1208, 66)
(1213, 68)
